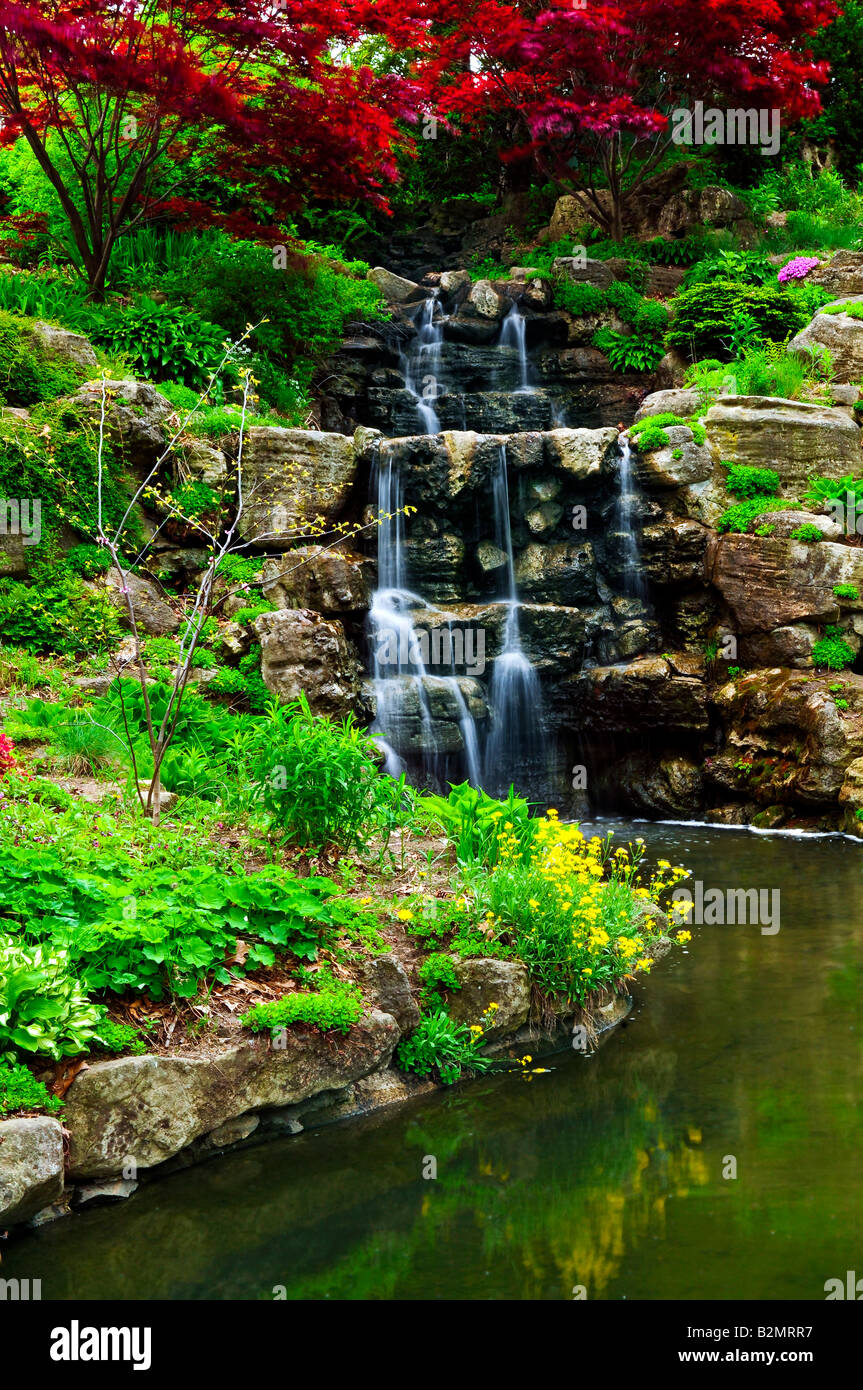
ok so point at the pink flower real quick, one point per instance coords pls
(797, 269)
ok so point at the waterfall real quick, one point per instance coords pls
(399, 672)
(512, 335)
(633, 579)
(421, 364)
(515, 696)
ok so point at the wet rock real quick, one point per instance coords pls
(485, 982)
(147, 1109)
(544, 519)
(302, 653)
(313, 576)
(784, 646)
(628, 697)
(795, 438)
(485, 301)
(672, 552)
(291, 478)
(152, 613)
(681, 463)
(581, 453)
(841, 335)
(557, 574)
(31, 1167)
(672, 785)
(105, 1192)
(233, 1131)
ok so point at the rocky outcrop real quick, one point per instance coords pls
(31, 1167)
(136, 417)
(302, 653)
(142, 1110)
(840, 335)
(768, 583)
(328, 581)
(152, 614)
(622, 697)
(395, 288)
(483, 983)
(295, 483)
(64, 346)
(796, 439)
(841, 275)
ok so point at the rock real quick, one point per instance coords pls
(841, 275)
(681, 463)
(538, 294)
(628, 697)
(784, 522)
(672, 785)
(679, 401)
(166, 799)
(152, 613)
(292, 477)
(544, 519)
(557, 574)
(663, 281)
(63, 346)
(688, 208)
(135, 416)
(672, 552)
(146, 1109)
(394, 288)
(303, 653)
(31, 1167)
(387, 979)
(231, 1132)
(485, 982)
(455, 282)
(769, 583)
(851, 797)
(13, 556)
(490, 557)
(108, 1190)
(329, 581)
(795, 438)
(783, 646)
(841, 335)
(485, 301)
(205, 463)
(568, 217)
(581, 453)
(582, 271)
(235, 640)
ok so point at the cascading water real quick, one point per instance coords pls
(515, 696)
(421, 365)
(633, 580)
(512, 335)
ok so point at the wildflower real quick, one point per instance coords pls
(684, 936)
(405, 915)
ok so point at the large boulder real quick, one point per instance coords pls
(504, 983)
(581, 453)
(841, 276)
(31, 1167)
(679, 401)
(678, 464)
(302, 653)
(841, 335)
(394, 288)
(294, 482)
(143, 1110)
(64, 346)
(795, 438)
(643, 695)
(328, 581)
(152, 613)
(135, 415)
(768, 583)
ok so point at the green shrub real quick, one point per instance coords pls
(19, 1090)
(852, 308)
(579, 298)
(746, 482)
(477, 824)
(121, 1037)
(439, 1044)
(88, 561)
(438, 972)
(831, 651)
(43, 1008)
(335, 1004)
(59, 615)
(702, 316)
(807, 532)
(738, 517)
(319, 778)
(849, 591)
(164, 340)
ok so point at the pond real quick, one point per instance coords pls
(612, 1172)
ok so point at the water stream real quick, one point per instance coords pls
(604, 1171)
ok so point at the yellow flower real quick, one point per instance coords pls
(684, 936)
(405, 915)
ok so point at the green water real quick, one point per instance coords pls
(606, 1171)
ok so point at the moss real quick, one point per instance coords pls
(28, 374)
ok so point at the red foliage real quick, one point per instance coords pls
(7, 755)
(255, 89)
(592, 86)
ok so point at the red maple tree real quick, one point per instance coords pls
(591, 84)
(261, 91)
